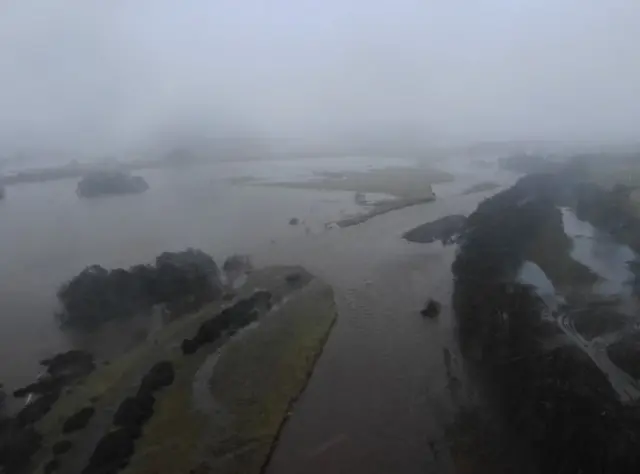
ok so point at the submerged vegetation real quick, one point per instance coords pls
(553, 394)
(182, 281)
(611, 210)
(158, 408)
(19, 437)
(407, 183)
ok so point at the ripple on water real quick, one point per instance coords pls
(381, 392)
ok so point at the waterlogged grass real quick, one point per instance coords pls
(255, 380)
(174, 433)
(127, 369)
(408, 183)
(259, 375)
(107, 386)
(383, 207)
(177, 437)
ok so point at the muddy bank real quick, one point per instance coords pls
(547, 387)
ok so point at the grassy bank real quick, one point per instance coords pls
(260, 372)
(254, 381)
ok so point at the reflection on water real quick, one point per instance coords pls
(598, 251)
(532, 274)
(609, 260)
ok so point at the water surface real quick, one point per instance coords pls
(389, 381)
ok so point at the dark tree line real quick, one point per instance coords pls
(557, 399)
(181, 280)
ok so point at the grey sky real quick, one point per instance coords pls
(97, 75)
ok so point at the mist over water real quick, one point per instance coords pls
(268, 92)
(48, 235)
(87, 80)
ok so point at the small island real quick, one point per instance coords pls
(103, 183)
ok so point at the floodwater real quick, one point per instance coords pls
(380, 395)
(388, 381)
(48, 235)
(609, 260)
(602, 254)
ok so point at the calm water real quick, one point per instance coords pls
(48, 235)
(602, 254)
(609, 261)
(388, 381)
(380, 396)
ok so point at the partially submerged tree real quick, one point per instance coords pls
(183, 281)
(548, 388)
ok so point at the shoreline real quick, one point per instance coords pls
(110, 383)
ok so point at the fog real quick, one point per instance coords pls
(91, 79)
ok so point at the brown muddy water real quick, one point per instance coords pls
(48, 235)
(388, 382)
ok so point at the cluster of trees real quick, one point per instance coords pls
(611, 210)
(493, 246)
(110, 182)
(554, 396)
(496, 235)
(182, 281)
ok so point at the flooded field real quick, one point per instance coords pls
(608, 311)
(557, 349)
(48, 235)
(389, 381)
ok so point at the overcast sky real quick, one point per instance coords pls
(101, 75)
